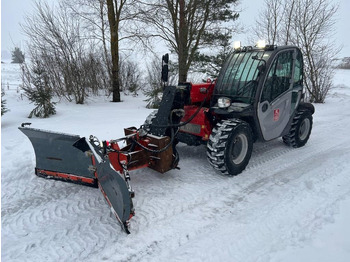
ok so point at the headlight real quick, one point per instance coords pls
(261, 44)
(224, 102)
(237, 45)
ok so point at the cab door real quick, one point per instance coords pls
(274, 107)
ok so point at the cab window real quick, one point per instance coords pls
(279, 77)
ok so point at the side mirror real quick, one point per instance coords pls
(261, 68)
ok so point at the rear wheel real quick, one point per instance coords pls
(230, 146)
(300, 130)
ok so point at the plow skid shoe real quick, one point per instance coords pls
(57, 158)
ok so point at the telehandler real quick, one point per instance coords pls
(258, 96)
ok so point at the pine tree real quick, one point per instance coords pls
(3, 104)
(210, 64)
(38, 91)
(17, 56)
(189, 26)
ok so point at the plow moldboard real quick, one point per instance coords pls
(55, 152)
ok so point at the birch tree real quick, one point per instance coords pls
(308, 24)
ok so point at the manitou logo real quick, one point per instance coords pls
(276, 114)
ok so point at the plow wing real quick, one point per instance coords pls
(73, 159)
(116, 192)
(57, 158)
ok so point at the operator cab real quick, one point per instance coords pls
(263, 83)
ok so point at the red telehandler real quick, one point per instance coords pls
(258, 96)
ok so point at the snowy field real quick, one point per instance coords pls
(288, 205)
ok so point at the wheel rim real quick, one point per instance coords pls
(239, 149)
(304, 129)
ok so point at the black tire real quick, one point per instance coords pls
(230, 146)
(300, 130)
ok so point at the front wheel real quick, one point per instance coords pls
(230, 146)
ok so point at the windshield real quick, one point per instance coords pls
(238, 79)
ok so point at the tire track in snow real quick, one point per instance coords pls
(305, 211)
(75, 237)
(262, 226)
(54, 209)
(237, 198)
(149, 207)
(152, 206)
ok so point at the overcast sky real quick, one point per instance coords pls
(13, 12)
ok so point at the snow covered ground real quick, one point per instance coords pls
(288, 205)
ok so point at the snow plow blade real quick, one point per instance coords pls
(56, 158)
(71, 158)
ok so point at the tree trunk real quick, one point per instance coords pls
(113, 24)
(183, 53)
